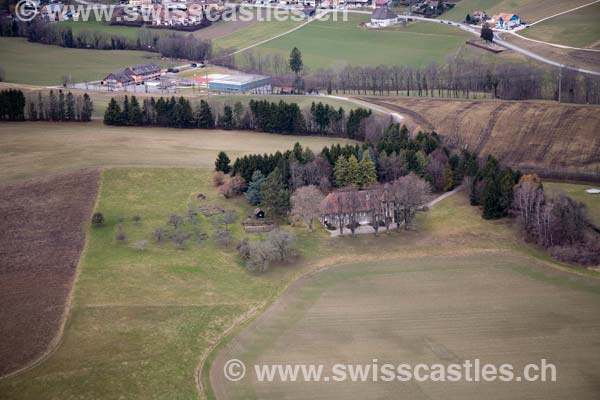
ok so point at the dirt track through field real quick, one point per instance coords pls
(43, 233)
(501, 308)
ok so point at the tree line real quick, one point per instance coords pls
(61, 106)
(168, 44)
(458, 77)
(259, 115)
(555, 221)
(12, 105)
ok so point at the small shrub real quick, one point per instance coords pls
(120, 235)
(136, 218)
(234, 187)
(284, 244)
(223, 238)
(97, 219)
(180, 237)
(218, 178)
(243, 249)
(120, 220)
(175, 220)
(192, 214)
(140, 245)
(161, 234)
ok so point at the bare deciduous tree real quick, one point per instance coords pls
(305, 203)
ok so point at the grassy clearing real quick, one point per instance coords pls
(39, 64)
(254, 33)
(129, 32)
(337, 43)
(141, 320)
(577, 192)
(424, 310)
(528, 10)
(33, 149)
(579, 28)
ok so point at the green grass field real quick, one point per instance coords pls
(528, 10)
(339, 43)
(38, 64)
(577, 192)
(141, 320)
(422, 310)
(253, 34)
(129, 32)
(579, 28)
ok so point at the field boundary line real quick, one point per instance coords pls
(320, 266)
(58, 338)
(560, 46)
(302, 25)
(564, 12)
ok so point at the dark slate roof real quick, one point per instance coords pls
(383, 13)
(143, 69)
(120, 76)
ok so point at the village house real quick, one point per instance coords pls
(342, 207)
(118, 80)
(143, 72)
(382, 17)
(132, 75)
(337, 207)
(478, 17)
(506, 21)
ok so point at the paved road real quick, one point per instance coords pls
(464, 27)
(497, 39)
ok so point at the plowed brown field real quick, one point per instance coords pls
(42, 236)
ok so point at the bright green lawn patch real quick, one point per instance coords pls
(141, 320)
(40, 64)
(329, 43)
(580, 28)
(254, 34)
(577, 192)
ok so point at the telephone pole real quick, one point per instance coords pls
(559, 83)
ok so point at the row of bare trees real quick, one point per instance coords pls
(458, 77)
(555, 221)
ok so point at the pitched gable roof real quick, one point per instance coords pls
(120, 76)
(341, 202)
(143, 69)
(383, 13)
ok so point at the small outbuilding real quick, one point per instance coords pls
(259, 214)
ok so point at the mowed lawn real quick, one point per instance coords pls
(580, 28)
(141, 321)
(253, 33)
(33, 149)
(39, 64)
(499, 308)
(328, 43)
